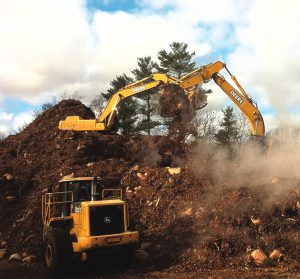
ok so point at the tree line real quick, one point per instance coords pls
(136, 115)
(139, 114)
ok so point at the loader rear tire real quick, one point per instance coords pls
(57, 251)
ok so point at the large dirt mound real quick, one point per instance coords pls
(195, 224)
(42, 154)
(185, 220)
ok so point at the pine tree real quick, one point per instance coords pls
(228, 135)
(127, 109)
(176, 62)
(145, 68)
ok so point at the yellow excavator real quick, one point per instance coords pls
(188, 84)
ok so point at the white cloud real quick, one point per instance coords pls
(50, 47)
(5, 119)
(21, 119)
(268, 57)
(44, 45)
(124, 37)
(12, 122)
(216, 100)
(202, 11)
(57, 46)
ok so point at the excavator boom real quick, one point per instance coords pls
(106, 118)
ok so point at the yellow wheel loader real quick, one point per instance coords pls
(81, 218)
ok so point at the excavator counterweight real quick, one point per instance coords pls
(75, 123)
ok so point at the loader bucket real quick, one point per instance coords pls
(75, 123)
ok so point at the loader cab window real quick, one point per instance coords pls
(82, 191)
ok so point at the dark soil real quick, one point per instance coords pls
(187, 222)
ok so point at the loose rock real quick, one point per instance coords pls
(173, 171)
(2, 253)
(10, 198)
(129, 193)
(277, 255)
(141, 255)
(255, 221)
(145, 246)
(259, 257)
(138, 191)
(136, 167)
(15, 257)
(187, 213)
(29, 259)
(8, 176)
(140, 176)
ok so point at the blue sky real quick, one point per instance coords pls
(112, 5)
(92, 41)
(17, 106)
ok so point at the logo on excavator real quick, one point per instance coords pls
(236, 97)
(107, 220)
(138, 89)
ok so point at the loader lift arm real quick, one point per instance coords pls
(240, 98)
(188, 83)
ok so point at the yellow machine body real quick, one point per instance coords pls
(81, 228)
(77, 218)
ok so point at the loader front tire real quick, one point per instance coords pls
(57, 251)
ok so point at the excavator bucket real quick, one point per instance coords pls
(75, 123)
(197, 99)
(172, 100)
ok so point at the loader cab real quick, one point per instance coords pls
(82, 189)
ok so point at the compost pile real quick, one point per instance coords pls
(186, 221)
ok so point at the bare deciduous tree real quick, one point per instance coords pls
(2, 136)
(244, 130)
(97, 104)
(205, 124)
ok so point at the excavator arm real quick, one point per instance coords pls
(246, 105)
(106, 118)
(240, 98)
